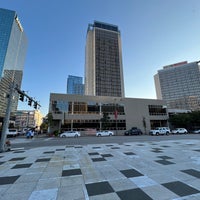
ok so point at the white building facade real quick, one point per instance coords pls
(179, 85)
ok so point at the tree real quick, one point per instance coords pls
(48, 120)
(105, 120)
(186, 120)
(144, 124)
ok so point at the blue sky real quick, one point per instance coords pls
(154, 33)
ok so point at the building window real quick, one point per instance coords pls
(157, 110)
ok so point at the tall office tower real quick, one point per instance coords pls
(103, 63)
(179, 85)
(13, 46)
(75, 85)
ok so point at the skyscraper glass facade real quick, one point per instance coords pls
(13, 46)
(75, 85)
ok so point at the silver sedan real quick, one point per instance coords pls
(104, 133)
(70, 134)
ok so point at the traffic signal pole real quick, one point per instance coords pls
(6, 119)
(13, 88)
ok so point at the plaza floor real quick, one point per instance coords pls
(166, 170)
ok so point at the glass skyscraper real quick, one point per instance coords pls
(103, 64)
(75, 85)
(13, 47)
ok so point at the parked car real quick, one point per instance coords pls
(104, 133)
(179, 131)
(70, 134)
(11, 132)
(135, 131)
(160, 131)
(196, 131)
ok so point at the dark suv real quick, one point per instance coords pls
(133, 131)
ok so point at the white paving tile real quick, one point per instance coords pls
(143, 181)
(50, 194)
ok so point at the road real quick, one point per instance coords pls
(22, 142)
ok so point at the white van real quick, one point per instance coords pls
(12, 132)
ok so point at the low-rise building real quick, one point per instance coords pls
(28, 119)
(83, 113)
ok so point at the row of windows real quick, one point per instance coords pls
(92, 121)
(99, 34)
(157, 110)
(94, 107)
(86, 107)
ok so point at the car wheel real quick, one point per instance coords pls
(76, 136)
(63, 136)
(157, 133)
(110, 134)
(99, 135)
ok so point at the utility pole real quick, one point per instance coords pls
(10, 96)
(6, 119)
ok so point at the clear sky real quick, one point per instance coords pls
(154, 33)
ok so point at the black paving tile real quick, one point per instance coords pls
(71, 172)
(99, 188)
(131, 173)
(109, 145)
(180, 188)
(78, 147)
(192, 172)
(165, 146)
(165, 157)
(98, 159)
(1, 156)
(22, 166)
(47, 152)
(60, 149)
(16, 159)
(131, 194)
(93, 153)
(106, 155)
(1, 163)
(197, 150)
(96, 147)
(43, 159)
(129, 153)
(157, 151)
(164, 162)
(115, 147)
(8, 180)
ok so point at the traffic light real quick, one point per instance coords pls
(21, 97)
(29, 102)
(35, 105)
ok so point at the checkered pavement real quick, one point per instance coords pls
(163, 170)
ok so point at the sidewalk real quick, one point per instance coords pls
(139, 170)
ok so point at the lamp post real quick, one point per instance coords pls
(116, 115)
(100, 113)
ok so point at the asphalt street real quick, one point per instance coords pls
(43, 140)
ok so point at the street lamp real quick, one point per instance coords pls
(100, 113)
(116, 115)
